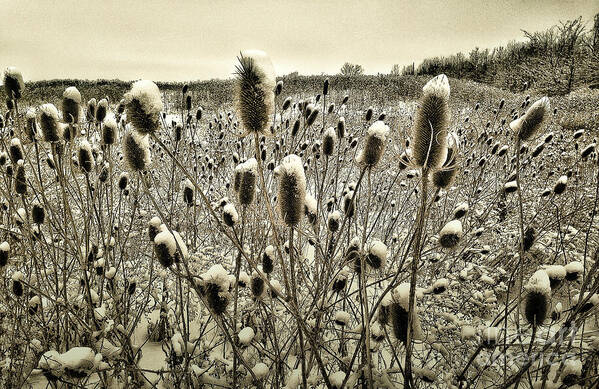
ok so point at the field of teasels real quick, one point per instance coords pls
(302, 241)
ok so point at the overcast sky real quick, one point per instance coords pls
(189, 40)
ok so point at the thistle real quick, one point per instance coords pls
(254, 90)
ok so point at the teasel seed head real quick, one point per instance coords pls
(110, 130)
(560, 185)
(85, 156)
(254, 90)
(136, 151)
(20, 179)
(230, 215)
(341, 128)
(258, 286)
(13, 83)
(268, 259)
(154, 227)
(17, 283)
(123, 180)
(374, 145)
(91, 109)
(169, 246)
(4, 251)
(31, 129)
(450, 234)
(538, 294)
(377, 255)
(292, 190)
(15, 151)
(38, 214)
(529, 124)
(143, 105)
(247, 173)
(50, 126)
(399, 314)
(286, 104)
(429, 132)
(328, 141)
(279, 88)
(188, 192)
(71, 105)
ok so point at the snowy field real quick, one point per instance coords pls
(298, 241)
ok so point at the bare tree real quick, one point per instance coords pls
(350, 69)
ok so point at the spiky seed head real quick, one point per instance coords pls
(13, 83)
(71, 105)
(110, 130)
(258, 287)
(248, 171)
(341, 128)
(31, 128)
(254, 90)
(279, 88)
(268, 259)
(15, 150)
(91, 109)
(85, 156)
(143, 105)
(188, 192)
(450, 234)
(429, 132)
(101, 110)
(230, 215)
(20, 179)
(38, 214)
(49, 123)
(560, 185)
(292, 190)
(136, 151)
(531, 122)
(377, 255)
(374, 145)
(329, 139)
(536, 304)
(4, 251)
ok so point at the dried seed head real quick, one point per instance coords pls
(38, 215)
(374, 145)
(91, 109)
(31, 129)
(292, 190)
(450, 234)
(246, 173)
(20, 179)
(15, 151)
(13, 83)
(101, 110)
(110, 130)
(143, 106)
(254, 90)
(71, 105)
(536, 304)
(268, 259)
(328, 141)
(230, 215)
(86, 158)
(188, 192)
(529, 124)
(136, 151)
(429, 133)
(51, 128)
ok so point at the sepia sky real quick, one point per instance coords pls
(189, 40)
